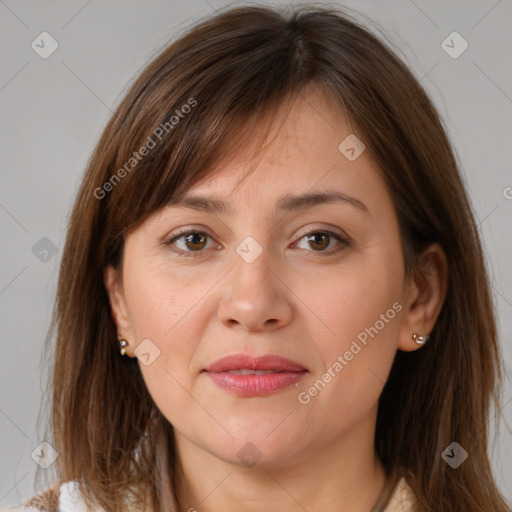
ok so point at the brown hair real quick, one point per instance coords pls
(234, 70)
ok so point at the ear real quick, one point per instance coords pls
(114, 286)
(424, 297)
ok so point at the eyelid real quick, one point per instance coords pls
(307, 229)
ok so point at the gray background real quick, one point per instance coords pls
(53, 111)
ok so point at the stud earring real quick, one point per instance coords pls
(122, 344)
(420, 340)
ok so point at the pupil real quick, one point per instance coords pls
(322, 235)
(192, 237)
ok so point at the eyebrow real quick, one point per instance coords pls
(284, 204)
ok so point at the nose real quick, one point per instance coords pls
(255, 297)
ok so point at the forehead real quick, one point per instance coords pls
(301, 148)
(301, 155)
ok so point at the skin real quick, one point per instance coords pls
(291, 301)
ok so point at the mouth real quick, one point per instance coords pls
(244, 375)
(246, 371)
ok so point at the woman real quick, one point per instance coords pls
(273, 294)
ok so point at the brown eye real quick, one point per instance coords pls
(191, 243)
(195, 241)
(319, 241)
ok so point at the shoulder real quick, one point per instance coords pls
(403, 498)
(63, 497)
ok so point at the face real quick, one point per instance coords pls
(319, 283)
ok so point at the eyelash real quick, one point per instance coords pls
(194, 254)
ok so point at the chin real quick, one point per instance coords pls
(256, 448)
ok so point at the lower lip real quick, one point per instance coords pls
(255, 385)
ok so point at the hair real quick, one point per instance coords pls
(234, 70)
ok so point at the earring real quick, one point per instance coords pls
(122, 344)
(420, 340)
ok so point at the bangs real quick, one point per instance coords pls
(193, 114)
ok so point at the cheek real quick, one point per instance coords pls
(152, 305)
(360, 313)
(159, 300)
(164, 309)
(352, 299)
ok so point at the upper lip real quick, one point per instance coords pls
(248, 362)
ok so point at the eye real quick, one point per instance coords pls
(320, 240)
(193, 242)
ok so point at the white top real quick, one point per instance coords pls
(71, 501)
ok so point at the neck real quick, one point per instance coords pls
(343, 475)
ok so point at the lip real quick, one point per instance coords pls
(285, 373)
(248, 362)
